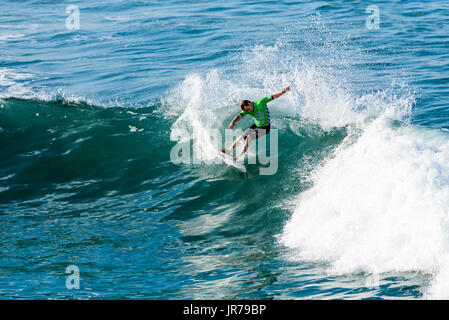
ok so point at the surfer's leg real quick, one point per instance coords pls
(232, 147)
(236, 142)
(248, 132)
(245, 147)
(251, 134)
(262, 131)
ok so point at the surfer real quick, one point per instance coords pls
(259, 111)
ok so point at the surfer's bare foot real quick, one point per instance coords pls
(234, 159)
(224, 150)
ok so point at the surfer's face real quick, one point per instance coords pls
(247, 108)
(247, 105)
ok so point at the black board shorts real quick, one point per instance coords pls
(256, 132)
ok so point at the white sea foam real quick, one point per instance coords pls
(13, 83)
(7, 37)
(379, 205)
(18, 84)
(200, 105)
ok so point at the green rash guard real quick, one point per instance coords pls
(260, 114)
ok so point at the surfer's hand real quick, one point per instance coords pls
(232, 125)
(277, 95)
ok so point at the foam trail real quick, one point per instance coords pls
(380, 205)
(198, 105)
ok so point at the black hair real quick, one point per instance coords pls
(244, 103)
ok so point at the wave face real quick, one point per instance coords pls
(89, 118)
(62, 144)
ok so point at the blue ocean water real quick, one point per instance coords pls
(358, 206)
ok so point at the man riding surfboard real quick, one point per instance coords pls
(259, 111)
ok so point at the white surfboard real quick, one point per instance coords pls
(228, 160)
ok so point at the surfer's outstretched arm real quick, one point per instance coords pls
(277, 95)
(236, 118)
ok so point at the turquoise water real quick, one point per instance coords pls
(358, 206)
